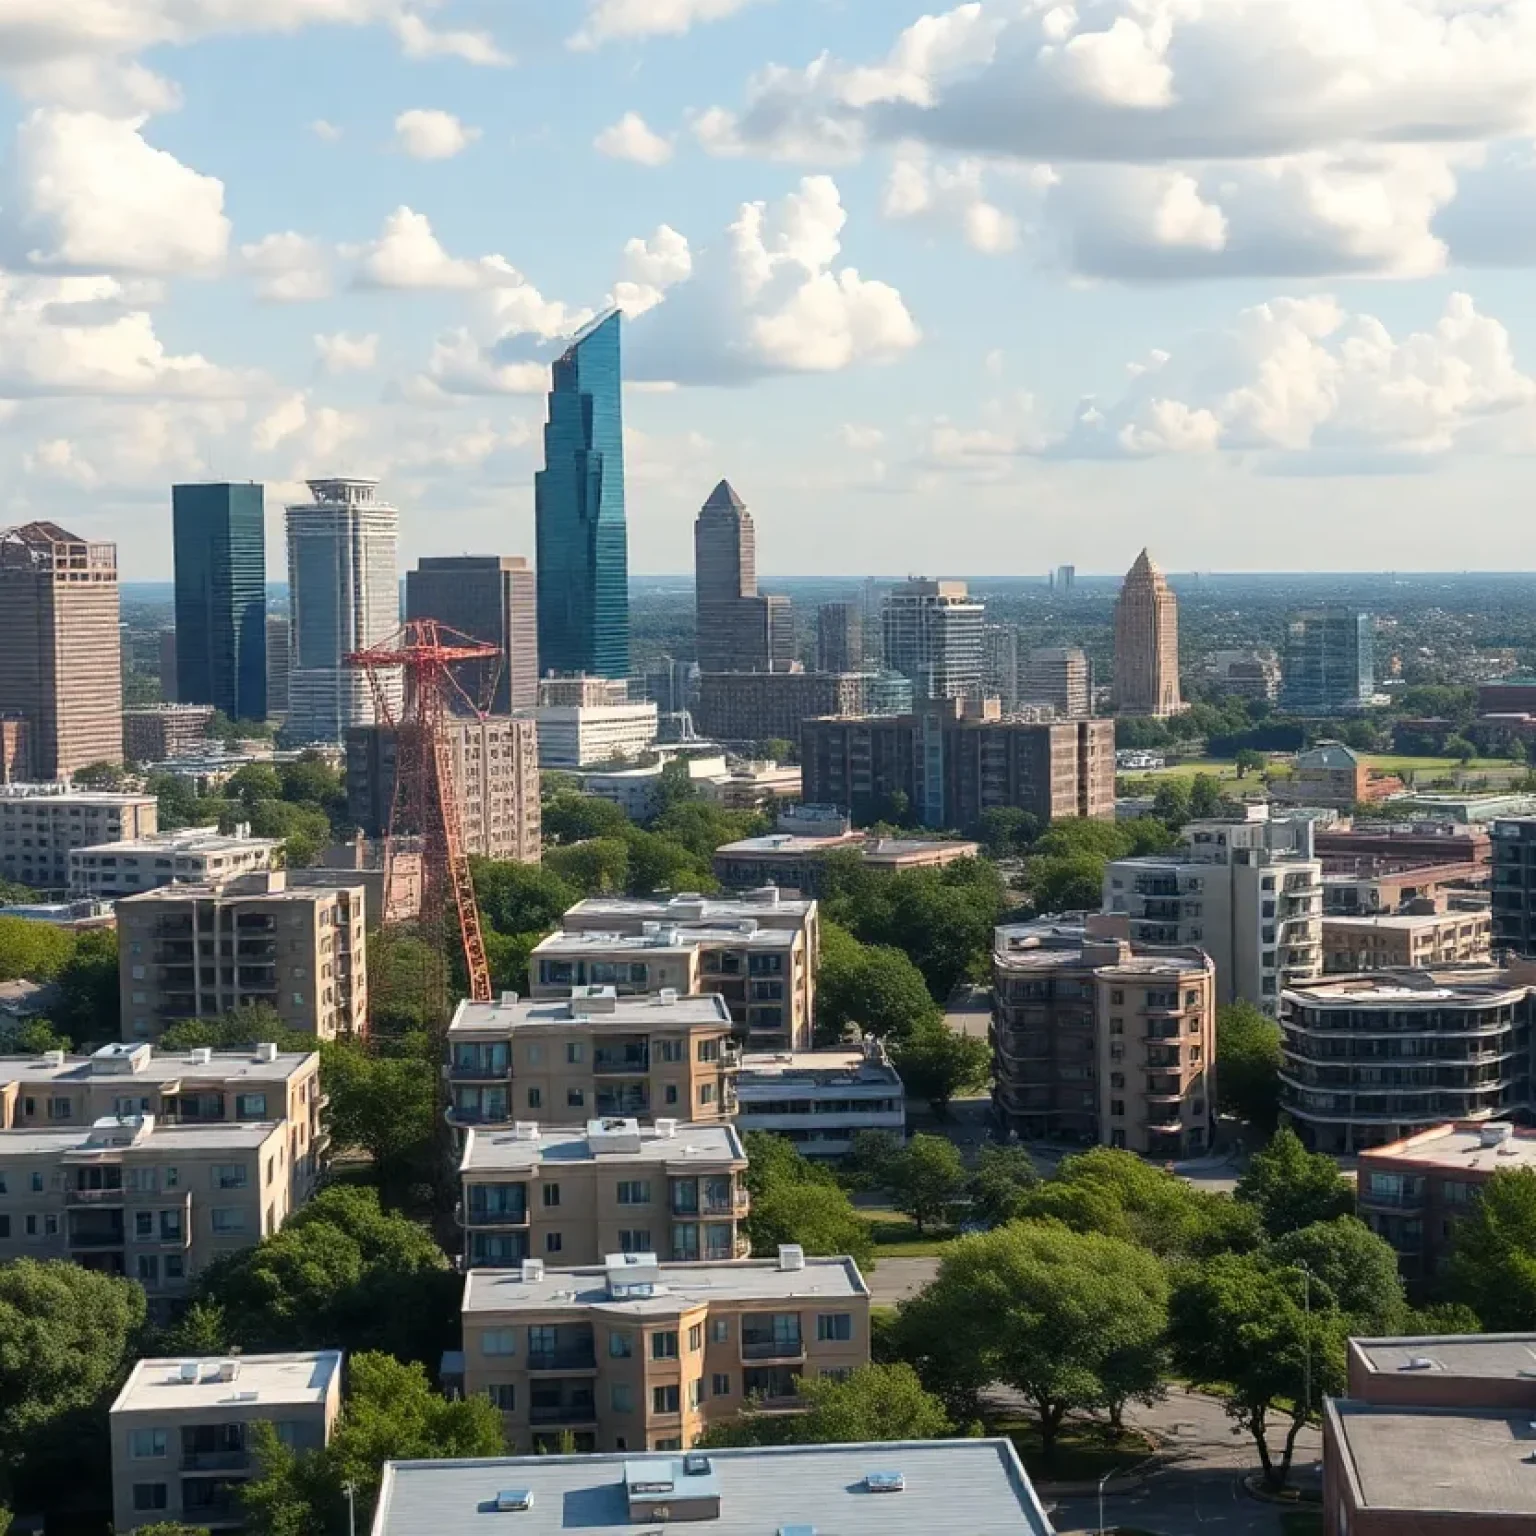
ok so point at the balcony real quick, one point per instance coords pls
(1390, 1200)
(627, 1064)
(96, 1239)
(489, 1217)
(477, 1072)
(93, 1197)
(577, 1357)
(217, 1461)
(457, 1116)
(779, 1351)
(563, 1413)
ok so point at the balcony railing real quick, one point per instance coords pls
(97, 1239)
(93, 1196)
(578, 1357)
(620, 1066)
(487, 1216)
(773, 1349)
(563, 1413)
(472, 1072)
(216, 1461)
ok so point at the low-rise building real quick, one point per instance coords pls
(190, 856)
(77, 916)
(797, 862)
(1359, 892)
(592, 1053)
(181, 1431)
(642, 1355)
(751, 786)
(570, 1196)
(1470, 810)
(821, 1100)
(590, 735)
(1417, 939)
(41, 823)
(1243, 675)
(637, 791)
(153, 733)
(1333, 775)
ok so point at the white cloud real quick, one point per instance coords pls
(288, 268)
(425, 134)
(459, 365)
(663, 460)
(650, 268)
(342, 353)
(861, 439)
(420, 41)
(631, 139)
(610, 20)
(950, 193)
(408, 254)
(325, 131)
(314, 434)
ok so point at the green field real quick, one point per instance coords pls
(1497, 770)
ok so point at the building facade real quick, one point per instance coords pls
(1329, 666)
(840, 637)
(1058, 675)
(589, 736)
(219, 536)
(156, 732)
(932, 633)
(763, 706)
(1410, 939)
(1147, 643)
(821, 1100)
(278, 662)
(189, 856)
(583, 548)
(1243, 675)
(61, 663)
(737, 629)
(343, 596)
(41, 823)
(1513, 890)
(492, 599)
(1000, 665)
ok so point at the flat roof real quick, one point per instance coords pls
(791, 843)
(53, 794)
(1401, 987)
(673, 940)
(1406, 922)
(233, 891)
(692, 907)
(508, 1152)
(223, 1135)
(1451, 1147)
(631, 1013)
(158, 1385)
(1491, 1356)
(179, 842)
(815, 1487)
(161, 1067)
(679, 1286)
(767, 1074)
(1058, 945)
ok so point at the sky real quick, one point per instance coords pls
(975, 291)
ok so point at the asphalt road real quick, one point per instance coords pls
(896, 1279)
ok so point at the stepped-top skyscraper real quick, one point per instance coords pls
(582, 544)
(1147, 643)
(737, 629)
(219, 537)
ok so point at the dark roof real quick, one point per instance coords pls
(724, 496)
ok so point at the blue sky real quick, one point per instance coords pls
(980, 290)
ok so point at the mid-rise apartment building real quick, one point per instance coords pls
(1059, 676)
(188, 856)
(1100, 1039)
(762, 706)
(571, 1196)
(639, 1355)
(197, 952)
(182, 1431)
(1513, 892)
(41, 823)
(821, 1100)
(1247, 891)
(592, 1053)
(154, 732)
(1411, 939)
(797, 861)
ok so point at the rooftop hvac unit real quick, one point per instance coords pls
(667, 997)
(533, 1269)
(514, 1498)
(791, 1256)
(189, 1370)
(884, 1482)
(1496, 1132)
(666, 1128)
(266, 1051)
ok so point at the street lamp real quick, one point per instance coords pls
(1102, 1481)
(1306, 1306)
(350, 1489)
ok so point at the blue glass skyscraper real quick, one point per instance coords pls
(219, 535)
(582, 544)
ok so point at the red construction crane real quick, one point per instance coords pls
(425, 804)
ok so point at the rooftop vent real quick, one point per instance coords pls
(228, 1370)
(884, 1482)
(514, 1498)
(696, 1464)
(189, 1370)
(509, 999)
(1496, 1132)
(667, 997)
(266, 1051)
(533, 1269)
(201, 1055)
(791, 1256)
(797, 1530)
(1420, 1363)
(525, 1130)
(666, 1128)
(53, 1058)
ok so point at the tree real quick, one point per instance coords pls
(871, 985)
(253, 783)
(383, 1105)
(875, 1403)
(1248, 761)
(936, 1062)
(1248, 1065)
(303, 829)
(794, 1201)
(1352, 1270)
(1002, 1177)
(1007, 831)
(1291, 1187)
(103, 776)
(1205, 797)
(1071, 1321)
(1460, 748)
(521, 898)
(33, 951)
(1493, 1255)
(658, 863)
(574, 818)
(1172, 802)
(1071, 883)
(164, 1528)
(89, 1007)
(701, 827)
(926, 1178)
(597, 867)
(177, 804)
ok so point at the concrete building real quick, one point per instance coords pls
(578, 690)
(41, 823)
(1248, 892)
(15, 749)
(61, 662)
(1058, 675)
(1374, 849)
(1097, 1039)
(196, 952)
(1000, 665)
(1243, 675)
(752, 785)
(889, 693)
(737, 629)
(796, 862)
(1329, 661)
(181, 1431)
(279, 660)
(1367, 1060)
(495, 783)
(188, 856)
(732, 1493)
(840, 637)
(650, 1355)
(1147, 643)
(155, 732)
(592, 1053)
(391, 895)
(1442, 887)
(763, 706)
(1334, 776)
(492, 599)
(821, 1100)
(589, 736)
(343, 596)
(1416, 940)
(954, 761)
(571, 1196)
(637, 791)
(933, 634)
(77, 916)
(167, 663)
(1513, 852)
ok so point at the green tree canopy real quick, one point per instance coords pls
(575, 817)
(871, 985)
(938, 1063)
(521, 898)
(33, 951)
(597, 867)
(795, 1201)
(1493, 1254)
(1007, 832)
(89, 1009)
(1353, 1271)
(1248, 1079)
(877, 1402)
(998, 1185)
(926, 1179)
(384, 1105)
(1291, 1188)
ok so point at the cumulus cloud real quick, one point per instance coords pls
(460, 365)
(326, 132)
(342, 353)
(425, 134)
(288, 268)
(316, 433)
(631, 139)
(650, 268)
(609, 20)
(916, 189)
(418, 40)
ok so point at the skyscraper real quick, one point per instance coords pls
(1147, 643)
(490, 598)
(737, 629)
(277, 666)
(840, 637)
(60, 647)
(582, 548)
(1058, 675)
(1000, 665)
(343, 596)
(219, 539)
(933, 635)
(1330, 661)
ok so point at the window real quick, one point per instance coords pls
(706, 1093)
(696, 1392)
(670, 1093)
(170, 1226)
(553, 1242)
(5, 1226)
(575, 1051)
(669, 1443)
(664, 1345)
(1117, 1107)
(175, 1266)
(669, 1050)
(696, 1338)
(575, 1098)
(834, 1327)
(636, 1240)
(146, 1444)
(229, 1175)
(1117, 996)
(37, 1183)
(535, 1098)
(720, 1385)
(228, 1218)
(837, 1373)
(498, 1341)
(170, 1178)
(709, 1050)
(621, 1397)
(666, 1399)
(60, 1109)
(149, 1269)
(621, 1346)
(719, 1332)
(551, 1195)
(1117, 1026)
(634, 1192)
(250, 1106)
(148, 1496)
(503, 1394)
(31, 1226)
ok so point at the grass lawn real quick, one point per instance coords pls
(896, 1237)
(1083, 1452)
(1222, 768)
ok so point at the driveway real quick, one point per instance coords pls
(896, 1279)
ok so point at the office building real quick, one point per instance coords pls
(181, 1431)
(639, 1353)
(1243, 675)
(61, 647)
(583, 551)
(166, 653)
(15, 749)
(1513, 849)
(571, 1196)
(41, 823)
(1099, 1039)
(495, 784)
(278, 662)
(932, 634)
(954, 761)
(739, 1492)
(1000, 665)
(188, 856)
(592, 736)
(1367, 1060)
(840, 637)
(579, 691)
(1391, 941)
(889, 693)
(343, 596)
(796, 861)
(592, 1053)
(1058, 675)
(198, 952)
(1249, 892)
(766, 706)
(1147, 643)
(1063, 580)
(637, 791)
(492, 599)
(1329, 666)
(736, 628)
(219, 536)
(821, 1100)
(153, 733)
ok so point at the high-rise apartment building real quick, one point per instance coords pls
(761, 706)
(1000, 665)
(1058, 675)
(41, 823)
(736, 628)
(583, 549)
(933, 635)
(153, 733)
(60, 646)
(840, 637)
(1147, 643)
(278, 662)
(1063, 580)
(343, 596)
(492, 599)
(219, 539)
(1330, 661)
(166, 656)
(1513, 896)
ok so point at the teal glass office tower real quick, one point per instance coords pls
(219, 535)
(582, 544)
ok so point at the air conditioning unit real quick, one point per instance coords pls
(514, 1498)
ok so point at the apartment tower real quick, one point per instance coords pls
(933, 633)
(839, 637)
(1058, 675)
(1147, 643)
(492, 599)
(1329, 666)
(737, 629)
